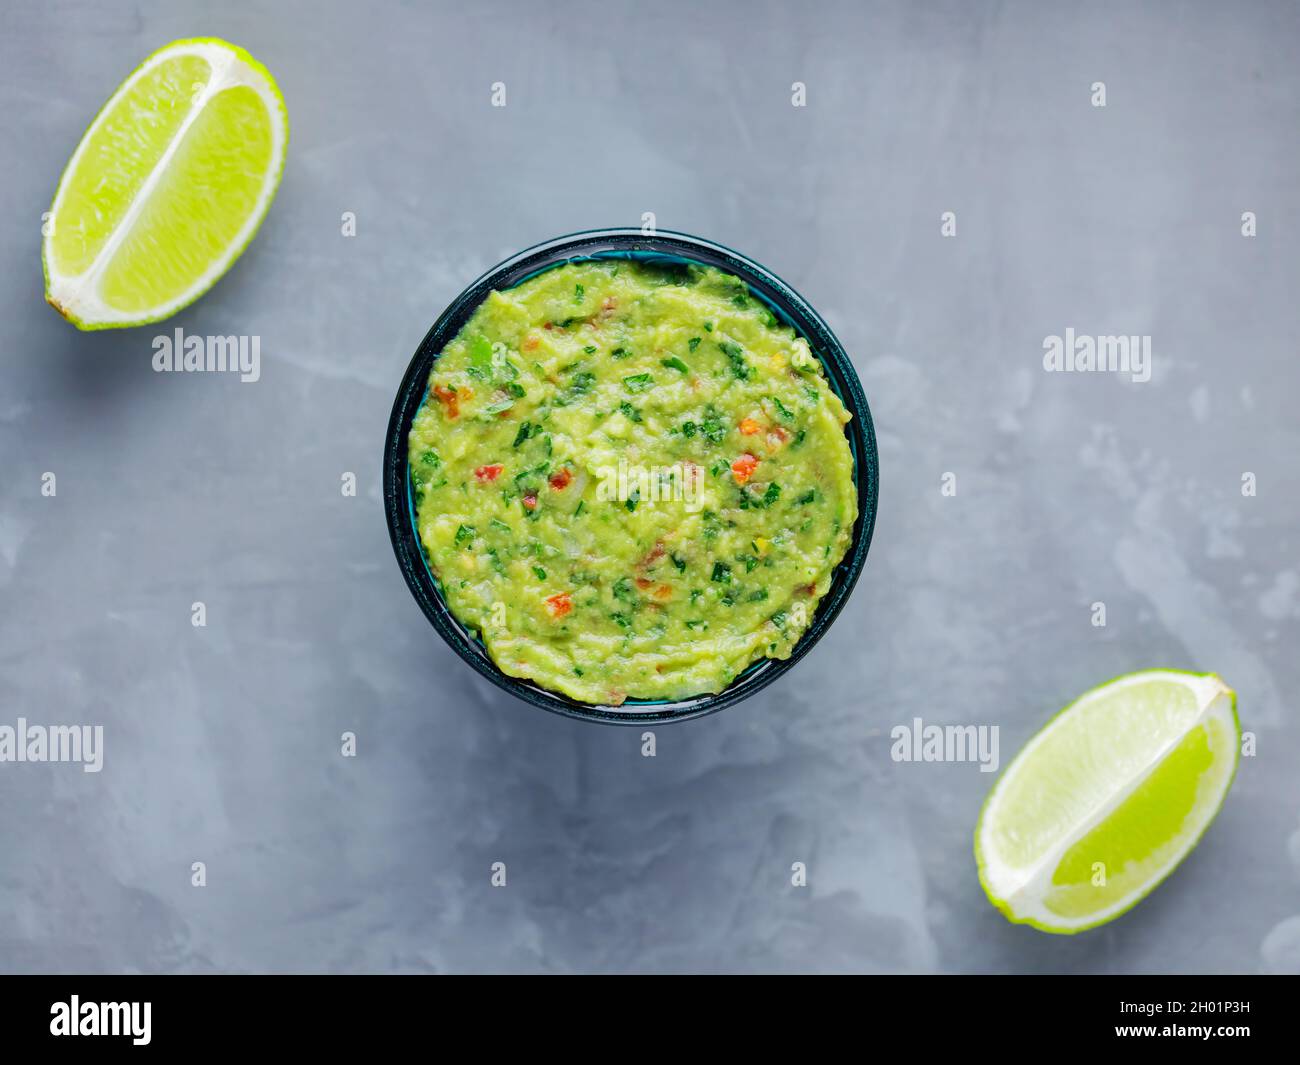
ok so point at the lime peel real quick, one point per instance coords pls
(167, 186)
(1107, 799)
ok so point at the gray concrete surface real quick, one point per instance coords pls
(222, 743)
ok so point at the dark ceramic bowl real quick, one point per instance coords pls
(788, 305)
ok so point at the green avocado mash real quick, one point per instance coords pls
(631, 480)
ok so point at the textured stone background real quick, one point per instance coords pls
(222, 743)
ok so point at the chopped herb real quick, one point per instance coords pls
(756, 597)
(620, 353)
(577, 671)
(809, 496)
(515, 390)
(675, 364)
(812, 394)
(693, 343)
(580, 385)
(578, 293)
(622, 620)
(464, 533)
(590, 349)
(680, 563)
(736, 354)
(772, 494)
(639, 382)
(499, 525)
(778, 619)
(721, 573)
(497, 408)
(541, 573)
(798, 437)
(430, 458)
(522, 435)
(688, 428)
(629, 411)
(581, 502)
(786, 413)
(708, 327)
(712, 428)
(623, 590)
(633, 499)
(740, 300)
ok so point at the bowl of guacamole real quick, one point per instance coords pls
(630, 478)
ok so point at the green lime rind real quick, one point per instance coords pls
(981, 862)
(169, 310)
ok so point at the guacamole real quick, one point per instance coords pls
(631, 480)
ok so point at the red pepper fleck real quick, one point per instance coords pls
(488, 473)
(559, 604)
(560, 478)
(530, 501)
(448, 398)
(643, 584)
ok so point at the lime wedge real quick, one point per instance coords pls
(167, 186)
(1107, 799)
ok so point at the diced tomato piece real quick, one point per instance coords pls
(655, 554)
(749, 427)
(559, 604)
(743, 468)
(488, 473)
(530, 501)
(643, 584)
(780, 432)
(560, 478)
(448, 398)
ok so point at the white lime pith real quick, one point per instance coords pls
(166, 187)
(1103, 803)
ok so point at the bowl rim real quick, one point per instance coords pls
(628, 243)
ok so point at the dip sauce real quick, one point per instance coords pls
(631, 480)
